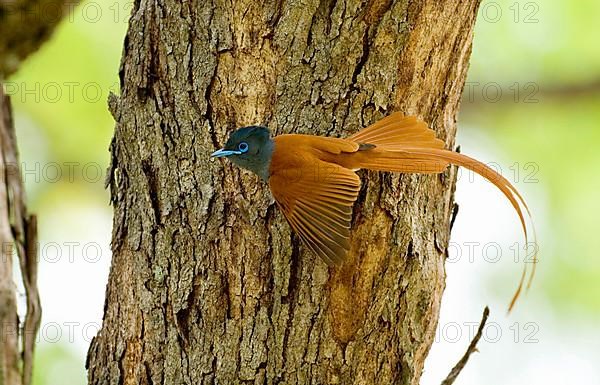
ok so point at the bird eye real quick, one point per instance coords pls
(243, 147)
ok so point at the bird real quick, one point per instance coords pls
(313, 178)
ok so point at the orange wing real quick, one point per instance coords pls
(316, 197)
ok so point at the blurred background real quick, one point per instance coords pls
(531, 108)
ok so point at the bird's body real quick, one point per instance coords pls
(313, 179)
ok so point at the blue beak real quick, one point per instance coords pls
(223, 152)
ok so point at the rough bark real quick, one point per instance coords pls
(208, 285)
(24, 27)
(18, 235)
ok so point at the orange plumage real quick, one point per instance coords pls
(313, 181)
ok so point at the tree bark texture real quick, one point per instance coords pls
(24, 26)
(18, 236)
(208, 285)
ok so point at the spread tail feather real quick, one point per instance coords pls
(397, 129)
(509, 191)
(406, 144)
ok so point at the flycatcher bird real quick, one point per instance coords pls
(314, 183)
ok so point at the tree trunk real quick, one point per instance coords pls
(24, 26)
(208, 285)
(18, 236)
